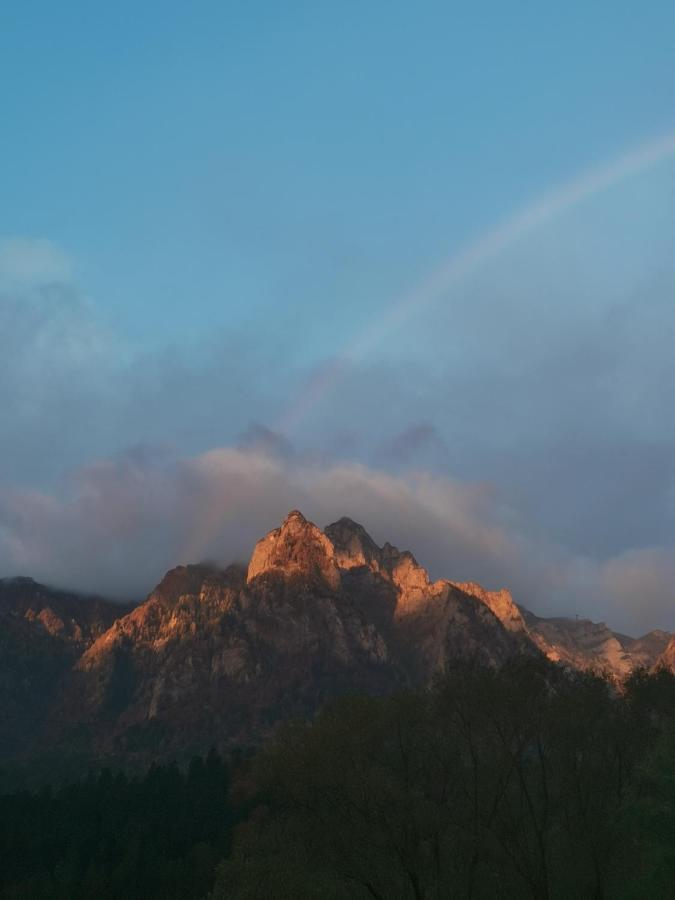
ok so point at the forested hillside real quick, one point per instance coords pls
(528, 781)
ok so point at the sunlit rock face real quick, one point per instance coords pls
(500, 602)
(667, 656)
(223, 656)
(646, 651)
(353, 547)
(298, 547)
(582, 644)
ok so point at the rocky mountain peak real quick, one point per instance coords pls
(353, 545)
(500, 602)
(667, 657)
(19, 581)
(411, 579)
(295, 516)
(65, 614)
(646, 651)
(180, 581)
(296, 548)
(355, 548)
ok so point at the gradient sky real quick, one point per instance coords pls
(203, 208)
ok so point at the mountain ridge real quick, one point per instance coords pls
(224, 655)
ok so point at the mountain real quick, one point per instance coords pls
(228, 654)
(222, 656)
(667, 657)
(42, 634)
(582, 644)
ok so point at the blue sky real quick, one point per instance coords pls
(202, 206)
(207, 164)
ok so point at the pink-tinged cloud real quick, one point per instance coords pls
(121, 523)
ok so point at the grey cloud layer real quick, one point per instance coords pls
(497, 443)
(72, 391)
(123, 522)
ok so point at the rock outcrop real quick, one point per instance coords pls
(298, 547)
(666, 658)
(582, 644)
(500, 602)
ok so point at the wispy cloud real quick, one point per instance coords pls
(25, 262)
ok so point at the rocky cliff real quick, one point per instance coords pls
(667, 656)
(582, 644)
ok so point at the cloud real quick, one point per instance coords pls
(25, 262)
(265, 441)
(119, 524)
(418, 442)
(506, 440)
(72, 390)
(57, 367)
(635, 590)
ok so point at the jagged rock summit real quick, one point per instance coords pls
(223, 655)
(352, 545)
(500, 602)
(297, 547)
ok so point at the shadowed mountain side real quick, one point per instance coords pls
(72, 618)
(43, 631)
(224, 662)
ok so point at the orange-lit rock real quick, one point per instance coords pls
(296, 548)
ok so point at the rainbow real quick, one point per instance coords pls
(471, 257)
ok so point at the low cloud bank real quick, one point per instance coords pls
(117, 525)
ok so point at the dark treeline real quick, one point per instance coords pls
(523, 782)
(110, 835)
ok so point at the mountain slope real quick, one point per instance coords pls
(582, 644)
(43, 632)
(214, 655)
(667, 656)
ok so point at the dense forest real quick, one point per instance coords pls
(111, 835)
(529, 781)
